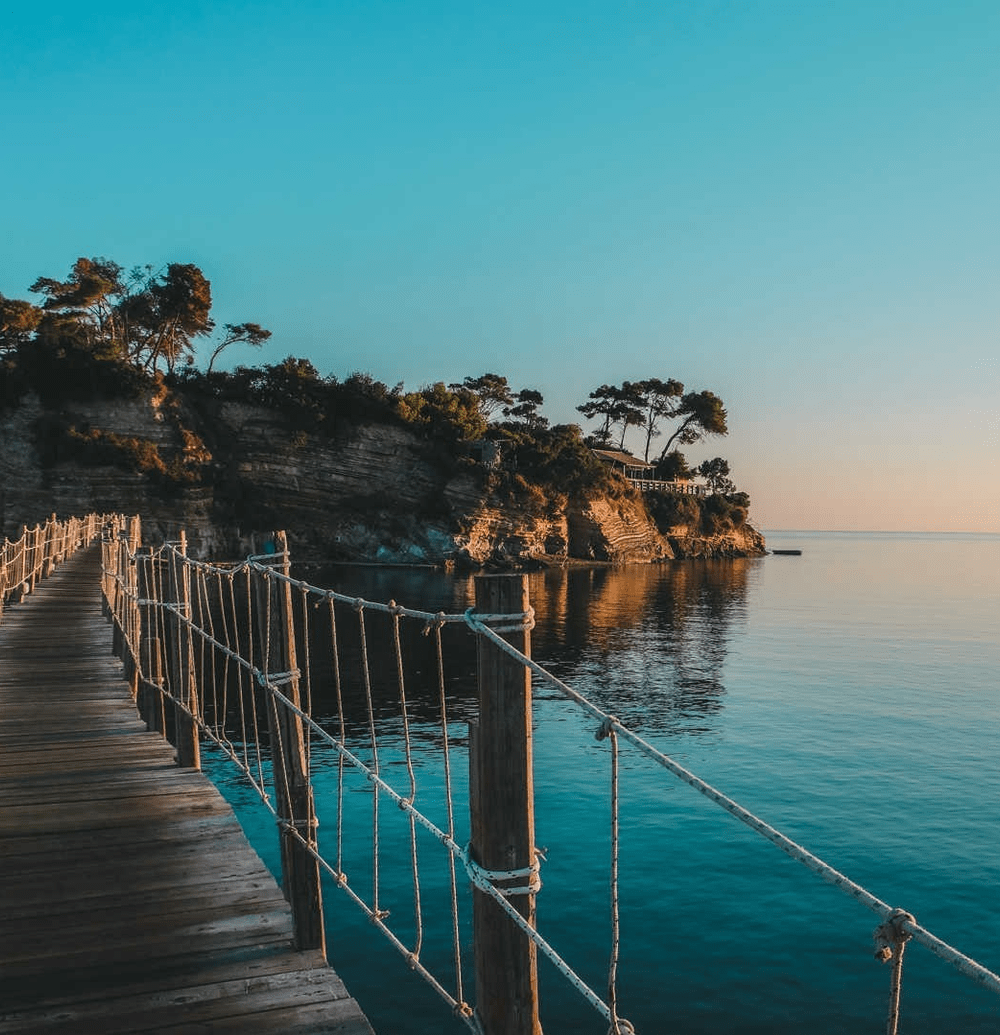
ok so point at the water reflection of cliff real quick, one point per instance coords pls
(646, 642)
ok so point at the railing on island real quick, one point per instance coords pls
(683, 488)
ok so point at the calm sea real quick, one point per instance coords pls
(848, 696)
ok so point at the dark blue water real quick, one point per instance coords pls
(848, 696)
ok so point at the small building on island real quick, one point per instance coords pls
(627, 465)
(642, 475)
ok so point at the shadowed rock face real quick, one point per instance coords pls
(375, 492)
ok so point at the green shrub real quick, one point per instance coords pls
(672, 509)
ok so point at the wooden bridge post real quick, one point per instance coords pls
(292, 785)
(49, 548)
(150, 702)
(501, 801)
(31, 553)
(114, 602)
(183, 683)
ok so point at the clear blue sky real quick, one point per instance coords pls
(792, 204)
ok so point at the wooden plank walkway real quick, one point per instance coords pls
(130, 900)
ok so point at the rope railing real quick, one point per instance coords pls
(257, 644)
(39, 549)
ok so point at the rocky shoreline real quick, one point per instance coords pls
(374, 493)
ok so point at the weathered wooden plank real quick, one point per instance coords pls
(113, 938)
(250, 892)
(204, 1003)
(104, 789)
(147, 840)
(88, 880)
(102, 814)
(179, 973)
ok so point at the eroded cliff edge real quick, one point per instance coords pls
(370, 492)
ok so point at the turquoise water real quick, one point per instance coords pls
(848, 697)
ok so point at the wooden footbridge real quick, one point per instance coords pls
(130, 900)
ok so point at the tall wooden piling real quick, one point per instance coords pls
(502, 818)
(150, 701)
(292, 785)
(183, 683)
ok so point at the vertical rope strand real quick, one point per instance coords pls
(306, 676)
(418, 914)
(613, 962)
(450, 806)
(341, 761)
(359, 606)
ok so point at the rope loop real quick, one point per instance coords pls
(395, 609)
(462, 1009)
(266, 679)
(523, 621)
(620, 1026)
(606, 728)
(437, 622)
(358, 604)
(482, 877)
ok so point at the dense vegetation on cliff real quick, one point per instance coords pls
(104, 333)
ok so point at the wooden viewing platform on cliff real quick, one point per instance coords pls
(641, 475)
(130, 898)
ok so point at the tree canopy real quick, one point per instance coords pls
(619, 406)
(492, 391)
(647, 404)
(146, 317)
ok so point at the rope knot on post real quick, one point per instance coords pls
(890, 936)
(515, 622)
(462, 1009)
(483, 878)
(433, 624)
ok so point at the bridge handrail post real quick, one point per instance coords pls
(49, 548)
(183, 684)
(150, 702)
(290, 764)
(501, 803)
(115, 596)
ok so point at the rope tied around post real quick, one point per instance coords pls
(434, 624)
(891, 937)
(272, 679)
(482, 877)
(523, 621)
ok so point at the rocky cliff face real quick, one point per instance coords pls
(375, 493)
